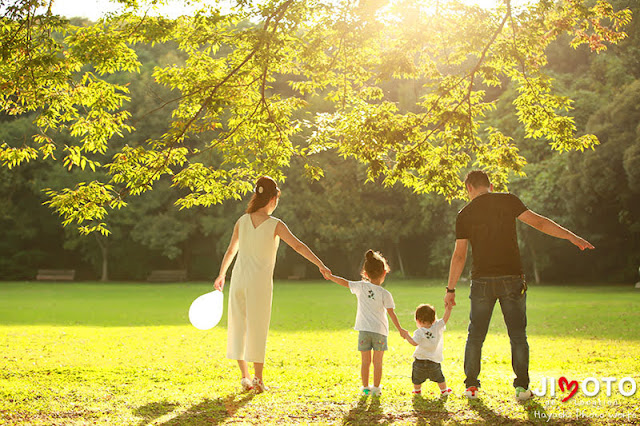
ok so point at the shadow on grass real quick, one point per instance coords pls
(430, 411)
(363, 414)
(535, 411)
(153, 411)
(209, 411)
(489, 416)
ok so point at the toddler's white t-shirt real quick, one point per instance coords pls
(373, 302)
(430, 342)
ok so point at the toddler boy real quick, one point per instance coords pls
(429, 342)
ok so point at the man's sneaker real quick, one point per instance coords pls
(375, 391)
(365, 391)
(259, 385)
(472, 392)
(523, 394)
(246, 384)
(445, 392)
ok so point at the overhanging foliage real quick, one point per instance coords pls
(232, 121)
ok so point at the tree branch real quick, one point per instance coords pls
(470, 76)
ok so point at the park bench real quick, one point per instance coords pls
(168, 275)
(56, 274)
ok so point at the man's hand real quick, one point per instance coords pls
(450, 299)
(581, 243)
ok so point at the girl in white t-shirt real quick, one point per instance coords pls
(374, 303)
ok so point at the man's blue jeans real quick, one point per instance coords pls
(511, 291)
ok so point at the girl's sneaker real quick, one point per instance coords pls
(259, 385)
(445, 392)
(246, 384)
(375, 391)
(365, 391)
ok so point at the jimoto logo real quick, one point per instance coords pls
(591, 386)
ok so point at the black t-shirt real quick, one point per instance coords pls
(489, 223)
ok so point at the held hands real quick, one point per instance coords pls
(326, 272)
(218, 284)
(404, 333)
(449, 300)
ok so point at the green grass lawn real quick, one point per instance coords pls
(125, 354)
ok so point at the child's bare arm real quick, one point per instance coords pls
(447, 313)
(410, 340)
(338, 280)
(404, 333)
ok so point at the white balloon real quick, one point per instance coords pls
(205, 312)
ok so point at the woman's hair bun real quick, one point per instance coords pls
(267, 186)
(265, 189)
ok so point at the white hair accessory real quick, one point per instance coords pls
(260, 189)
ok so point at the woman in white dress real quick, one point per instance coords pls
(255, 239)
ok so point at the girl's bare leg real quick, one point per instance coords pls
(377, 367)
(364, 368)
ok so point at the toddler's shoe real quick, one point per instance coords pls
(376, 391)
(246, 384)
(445, 392)
(365, 391)
(472, 392)
(523, 394)
(259, 385)
(417, 392)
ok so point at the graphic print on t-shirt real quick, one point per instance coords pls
(373, 302)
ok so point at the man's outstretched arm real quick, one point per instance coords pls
(549, 227)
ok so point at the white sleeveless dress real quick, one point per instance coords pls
(251, 290)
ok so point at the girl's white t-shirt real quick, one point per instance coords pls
(373, 302)
(430, 342)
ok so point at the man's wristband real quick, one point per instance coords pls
(450, 290)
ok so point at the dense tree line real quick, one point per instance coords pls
(349, 209)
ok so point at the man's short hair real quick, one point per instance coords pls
(477, 179)
(426, 313)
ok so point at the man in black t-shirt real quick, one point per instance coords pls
(488, 222)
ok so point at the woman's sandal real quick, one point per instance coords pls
(247, 385)
(259, 385)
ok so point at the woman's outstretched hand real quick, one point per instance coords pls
(218, 284)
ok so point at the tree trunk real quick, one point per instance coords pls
(104, 250)
(400, 263)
